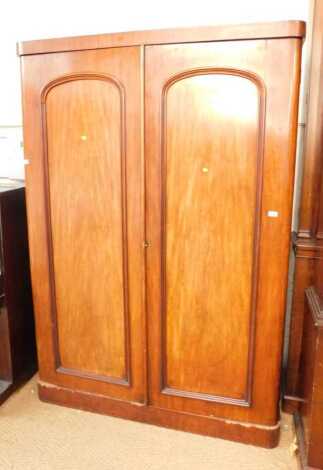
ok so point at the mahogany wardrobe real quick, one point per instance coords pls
(159, 193)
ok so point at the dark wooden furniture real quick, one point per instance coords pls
(304, 382)
(159, 199)
(307, 241)
(17, 338)
(309, 416)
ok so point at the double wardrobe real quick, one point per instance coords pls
(159, 175)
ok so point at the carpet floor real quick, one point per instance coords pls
(39, 436)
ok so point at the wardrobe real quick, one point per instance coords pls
(159, 179)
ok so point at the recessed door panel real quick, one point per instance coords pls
(84, 121)
(211, 163)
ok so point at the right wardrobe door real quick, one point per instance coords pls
(220, 131)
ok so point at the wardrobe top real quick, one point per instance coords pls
(274, 30)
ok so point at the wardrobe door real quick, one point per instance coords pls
(82, 137)
(220, 141)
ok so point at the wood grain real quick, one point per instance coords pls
(208, 267)
(177, 346)
(206, 157)
(281, 29)
(86, 179)
(85, 206)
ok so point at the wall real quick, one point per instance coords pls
(35, 19)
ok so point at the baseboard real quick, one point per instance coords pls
(248, 433)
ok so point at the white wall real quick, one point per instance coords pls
(34, 19)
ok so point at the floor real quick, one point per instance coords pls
(39, 436)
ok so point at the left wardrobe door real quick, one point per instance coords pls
(85, 211)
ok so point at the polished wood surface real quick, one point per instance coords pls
(282, 29)
(85, 174)
(211, 154)
(85, 205)
(167, 199)
(218, 260)
(17, 337)
(306, 240)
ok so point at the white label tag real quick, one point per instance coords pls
(272, 213)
